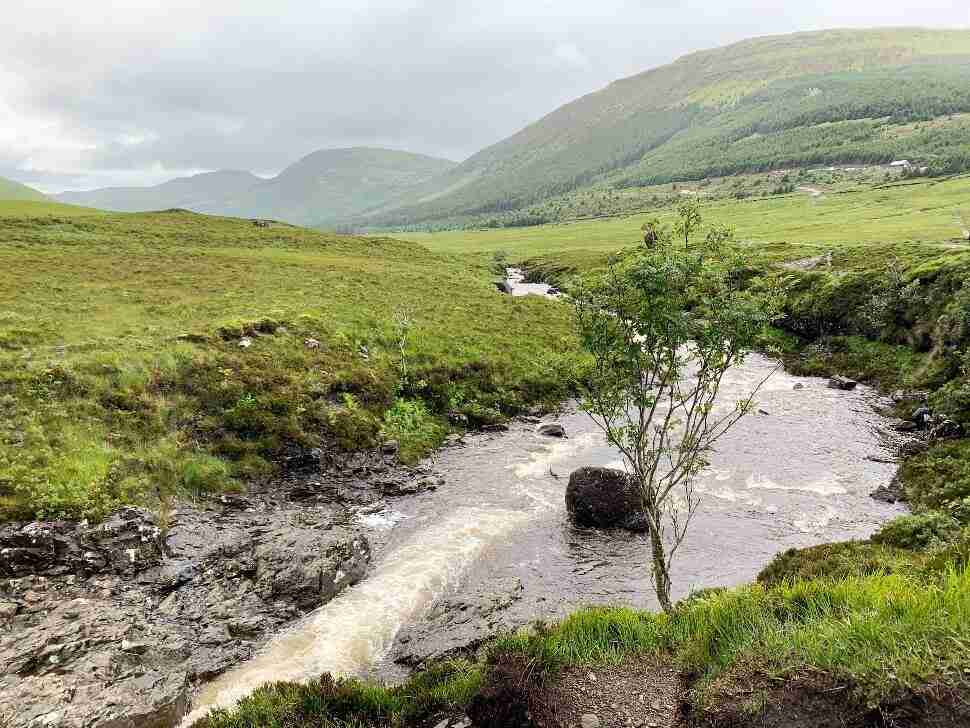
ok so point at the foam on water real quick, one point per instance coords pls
(347, 635)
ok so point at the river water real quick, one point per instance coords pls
(796, 472)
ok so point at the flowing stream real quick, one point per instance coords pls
(795, 473)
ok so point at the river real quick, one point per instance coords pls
(796, 472)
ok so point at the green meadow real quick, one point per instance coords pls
(144, 356)
(933, 213)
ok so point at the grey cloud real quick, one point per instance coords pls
(137, 91)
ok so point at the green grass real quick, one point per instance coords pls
(10, 190)
(793, 226)
(352, 703)
(122, 378)
(878, 634)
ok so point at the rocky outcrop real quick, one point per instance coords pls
(126, 543)
(604, 498)
(114, 625)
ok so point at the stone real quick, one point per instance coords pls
(843, 383)
(799, 385)
(921, 415)
(391, 447)
(245, 342)
(589, 720)
(311, 343)
(604, 498)
(551, 429)
(905, 426)
(946, 430)
(504, 287)
(7, 610)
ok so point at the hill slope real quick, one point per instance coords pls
(200, 192)
(809, 98)
(322, 187)
(10, 190)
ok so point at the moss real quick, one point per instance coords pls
(917, 532)
(836, 561)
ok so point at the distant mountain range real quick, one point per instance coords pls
(830, 97)
(323, 187)
(10, 190)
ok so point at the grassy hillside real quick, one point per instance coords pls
(850, 96)
(202, 192)
(144, 356)
(10, 190)
(935, 213)
(322, 187)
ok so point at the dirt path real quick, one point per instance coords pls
(636, 692)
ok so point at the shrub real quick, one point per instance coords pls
(918, 532)
(415, 429)
(835, 561)
(938, 478)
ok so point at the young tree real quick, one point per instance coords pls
(664, 324)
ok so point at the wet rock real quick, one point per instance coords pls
(946, 430)
(551, 429)
(843, 383)
(391, 447)
(311, 343)
(126, 543)
(901, 396)
(604, 498)
(913, 447)
(589, 720)
(245, 342)
(892, 493)
(152, 616)
(496, 427)
(460, 624)
(921, 416)
(504, 287)
(799, 385)
(905, 426)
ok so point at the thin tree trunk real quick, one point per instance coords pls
(661, 577)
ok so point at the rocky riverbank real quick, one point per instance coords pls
(117, 624)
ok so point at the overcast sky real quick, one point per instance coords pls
(108, 92)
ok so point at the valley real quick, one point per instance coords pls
(298, 450)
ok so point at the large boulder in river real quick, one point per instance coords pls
(604, 498)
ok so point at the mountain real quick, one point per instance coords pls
(321, 188)
(205, 192)
(10, 190)
(868, 96)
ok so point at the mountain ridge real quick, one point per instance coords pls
(324, 185)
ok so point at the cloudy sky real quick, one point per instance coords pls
(109, 92)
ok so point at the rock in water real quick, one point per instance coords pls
(604, 498)
(552, 429)
(504, 287)
(843, 383)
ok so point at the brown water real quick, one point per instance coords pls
(795, 476)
